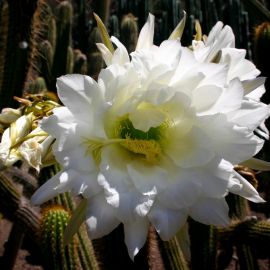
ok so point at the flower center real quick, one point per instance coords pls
(142, 144)
(126, 129)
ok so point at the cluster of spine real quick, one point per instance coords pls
(56, 254)
(14, 26)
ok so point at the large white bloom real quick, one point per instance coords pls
(154, 141)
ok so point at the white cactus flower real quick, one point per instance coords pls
(155, 140)
(8, 115)
(35, 148)
(20, 142)
(12, 136)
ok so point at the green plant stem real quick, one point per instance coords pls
(203, 247)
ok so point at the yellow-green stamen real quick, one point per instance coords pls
(144, 145)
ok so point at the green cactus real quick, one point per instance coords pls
(253, 232)
(51, 39)
(80, 62)
(70, 61)
(246, 258)
(95, 64)
(84, 248)
(172, 255)
(46, 62)
(38, 86)
(238, 207)
(14, 49)
(40, 58)
(62, 55)
(53, 223)
(203, 245)
(102, 8)
(129, 32)
(10, 197)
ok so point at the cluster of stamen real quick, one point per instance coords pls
(145, 145)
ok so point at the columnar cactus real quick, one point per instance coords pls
(53, 223)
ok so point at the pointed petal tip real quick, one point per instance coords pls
(257, 199)
(36, 199)
(133, 253)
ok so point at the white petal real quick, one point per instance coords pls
(62, 126)
(118, 188)
(186, 63)
(71, 88)
(145, 40)
(257, 164)
(120, 55)
(106, 53)
(172, 46)
(205, 97)
(31, 152)
(215, 31)
(114, 160)
(213, 178)
(57, 184)
(75, 157)
(251, 114)
(127, 205)
(232, 142)
(7, 157)
(191, 149)
(85, 184)
(151, 117)
(120, 84)
(167, 221)
(211, 211)
(239, 67)
(146, 178)
(186, 84)
(82, 89)
(9, 115)
(257, 93)
(181, 192)
(18, 129)
(100, 219)
(57, 123)
(135, 235)
(250, 86)
(246, 189)
(231, 98)
(218, 40)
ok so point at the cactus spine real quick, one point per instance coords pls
(129, 32)
(62, 56)
(172, 255)
(53, 222)
(203, 239)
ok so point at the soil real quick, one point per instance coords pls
(21, 262)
